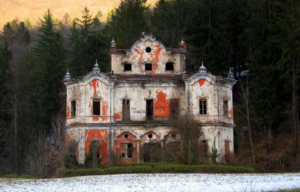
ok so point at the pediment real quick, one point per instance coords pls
(150, 135)
(126, 135)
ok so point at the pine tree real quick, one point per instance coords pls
(87, 46)
(207, 36)
(170, 20)
(127, 22)
(51, 55)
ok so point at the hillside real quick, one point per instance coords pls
(34, 9)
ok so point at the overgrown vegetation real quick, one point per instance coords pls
(160, 168)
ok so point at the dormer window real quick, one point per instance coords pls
(127, 67)
(148, 67)
(169, 66)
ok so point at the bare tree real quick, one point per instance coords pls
(244, 98)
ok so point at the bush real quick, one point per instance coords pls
(161, 168)
(11, 176)
(15, 176)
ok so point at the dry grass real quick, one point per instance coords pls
(34, 9)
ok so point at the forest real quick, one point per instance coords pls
(259, 40)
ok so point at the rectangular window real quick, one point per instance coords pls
(96, 107)
(126, 110)
(202, 107)
(174, 108)
(148, 67)
(227, 147)
(73, 108)
(127, 67)
(149, 109)
(126, 150)
(169, 66)
(225, 108)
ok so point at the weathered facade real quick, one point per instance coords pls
(125, 109)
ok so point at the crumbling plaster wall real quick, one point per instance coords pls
(139, 92)
(206, 88)
(216, 137)
(138, 56)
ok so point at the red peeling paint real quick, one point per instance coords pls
(117, 115)
(94, 85)
(95, 118)
(231, 112)
(68, 111)
(141, 52)
(201, 82)
(104, 110)
(102, 135)
(155, 59)
(134, 57)
(161, 106)
(210, 84)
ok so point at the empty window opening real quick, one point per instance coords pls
(204, 148)
(127, 67)
(202, 107)
(149, 109)
(126, 136)
(148, 49)
(227, 147)
(173, 135)
(126, 110)
(148, 67)
(73, 108)
(151, 151)
(225, 108)
(169, 66)
(150, 136)
(126, 150)
(129, 150)
(174, 108)
(96, 107)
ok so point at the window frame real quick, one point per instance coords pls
(170, 63)
(73, 109)
(93, 101)
(227, 146)
(126, 151)
(201, 105)
(151, 66)
(125, 67)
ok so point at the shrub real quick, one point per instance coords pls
(11, 176)
(214, 156)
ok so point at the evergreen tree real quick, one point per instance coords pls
(170, 20)
(207, 36)
(287, 18)
(51, 55)
(87, 46)
(127, 22)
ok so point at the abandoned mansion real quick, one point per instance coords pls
(122, 112)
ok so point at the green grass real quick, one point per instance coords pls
(15, 176)
(160, 168)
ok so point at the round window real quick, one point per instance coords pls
(150, 136)
(126, 135)
(148, 49)
(173, 135)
